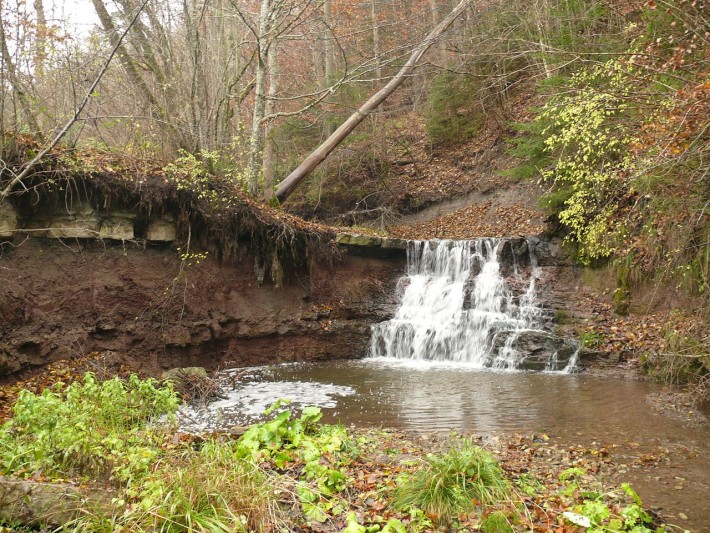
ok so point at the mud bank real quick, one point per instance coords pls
(65, 298)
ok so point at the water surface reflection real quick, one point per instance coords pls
(423, 397)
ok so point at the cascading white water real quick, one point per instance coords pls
(457, 307)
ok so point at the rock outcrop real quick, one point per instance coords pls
(538, 350)
(33, 503)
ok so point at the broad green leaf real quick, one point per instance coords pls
(314, 512)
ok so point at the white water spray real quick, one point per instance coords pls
(456, 307)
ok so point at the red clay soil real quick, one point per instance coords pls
(64, 299)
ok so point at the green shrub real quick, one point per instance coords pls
(597, 516)
(452, 483)
(120, 431)
(207, 490)
(89, 429)
(528, 146)
(286, 440)
(591, 340)
(496, 522)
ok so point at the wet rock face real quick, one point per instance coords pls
(8, 220)
(548, 251)
(538, 350)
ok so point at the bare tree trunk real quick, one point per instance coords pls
(198, 98)
(18, 88)
(255, 142)
(2, 97)
(269, 156)
(540, 11)
(160, 38)
(130, 67)
(434, 11)
(40, 40)
(144, 42)
(287, 186)
(376, 38)
(329, 77)
(329, 51)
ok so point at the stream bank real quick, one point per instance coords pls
(160, 277)
(148, 308)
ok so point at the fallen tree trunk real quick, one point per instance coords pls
(287, 186)
(31, 503)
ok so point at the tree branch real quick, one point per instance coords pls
(77, 112)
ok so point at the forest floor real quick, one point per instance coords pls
(464, 189)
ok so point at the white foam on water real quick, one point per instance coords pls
(248, 401)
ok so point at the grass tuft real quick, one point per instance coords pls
(454, 483)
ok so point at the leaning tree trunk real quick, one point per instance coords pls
(287, 186)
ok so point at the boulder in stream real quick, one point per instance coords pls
(180, 374)
(537, 349)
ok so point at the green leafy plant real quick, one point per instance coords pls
(208, 177)
(588, 138)
(496, 522)
(120, 431)
(528, 484)
(392, 526)
(91, 429)
(289, 441)
(599, 513)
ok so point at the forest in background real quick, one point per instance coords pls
(603, 104)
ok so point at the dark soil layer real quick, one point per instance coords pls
(63, 299)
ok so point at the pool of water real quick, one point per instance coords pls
(426, 397)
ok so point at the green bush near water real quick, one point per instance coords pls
(163, 483)
(89, 429)
(452, 483)
(121, 433)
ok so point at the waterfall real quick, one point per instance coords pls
(456, 306)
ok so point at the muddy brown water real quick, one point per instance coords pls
(573, 410)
